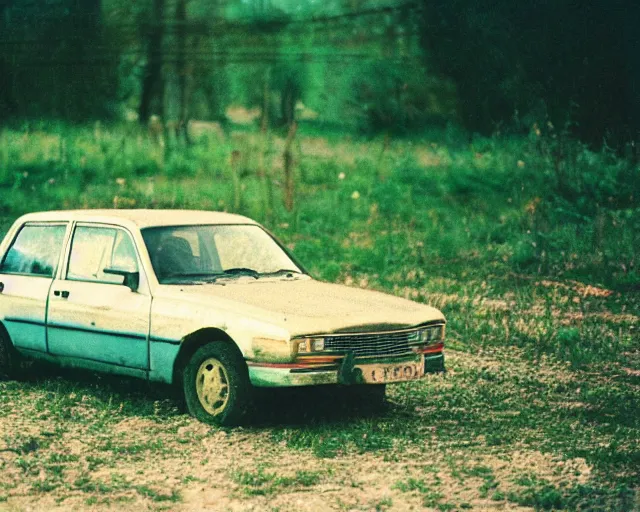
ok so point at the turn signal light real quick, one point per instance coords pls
(307, 345)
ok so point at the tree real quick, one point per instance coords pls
(181, 62)
(576, 60)
(152, 95)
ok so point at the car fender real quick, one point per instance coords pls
(177, 326)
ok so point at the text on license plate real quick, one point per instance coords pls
(398, 372)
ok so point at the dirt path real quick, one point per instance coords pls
(81, 447)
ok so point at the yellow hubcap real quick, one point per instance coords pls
(212, 386)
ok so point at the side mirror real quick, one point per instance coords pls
(131, 278)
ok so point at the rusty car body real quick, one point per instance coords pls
(207, 300)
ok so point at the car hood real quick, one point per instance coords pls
(307, 306)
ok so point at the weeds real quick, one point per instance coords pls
(520, 202)
(261, 482)
(531, 253)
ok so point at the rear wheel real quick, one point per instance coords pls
(216, 385)
(9, 358)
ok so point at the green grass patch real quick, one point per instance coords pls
(263, 482)
(531, 253)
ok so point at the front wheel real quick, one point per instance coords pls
(216, 385)
(9, 359)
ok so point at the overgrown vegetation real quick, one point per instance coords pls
(544, 205)
(528, 245)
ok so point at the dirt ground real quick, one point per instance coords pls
(82, 449)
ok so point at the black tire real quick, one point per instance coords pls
(9, 357)
(369, 397)
(225, 363)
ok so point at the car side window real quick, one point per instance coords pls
(35, 250)
(94, 249)
(124, 253)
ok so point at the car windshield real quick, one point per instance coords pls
(206, 253)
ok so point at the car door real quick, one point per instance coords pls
(93, 315)
(26, 273)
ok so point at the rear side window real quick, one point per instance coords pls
(35, 251)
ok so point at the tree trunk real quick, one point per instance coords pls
(182, 67)
(153, 82)
(93, 8)
(290, 95)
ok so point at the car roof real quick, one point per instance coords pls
(141, 218)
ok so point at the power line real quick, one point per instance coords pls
(277, 20)
(212, 28)
(227, 59)
(354, 14)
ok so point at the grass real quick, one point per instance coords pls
(262, 482)
(541, 204)
(495, 429)
(531, 253)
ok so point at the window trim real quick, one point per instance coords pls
(64, 275)
(61, 251)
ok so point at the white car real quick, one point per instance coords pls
(209, 301)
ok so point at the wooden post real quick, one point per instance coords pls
(266, 94)
(289, 179)
(235, 164)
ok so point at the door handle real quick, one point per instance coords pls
(64, 293)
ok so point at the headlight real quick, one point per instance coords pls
(307, 345)
(430, 334)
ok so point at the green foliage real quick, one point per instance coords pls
(387, 213)
(397, 98)
(512, 70)
(370, 66)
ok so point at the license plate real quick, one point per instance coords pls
(397, 372)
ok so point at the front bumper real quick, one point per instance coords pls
(295, 374)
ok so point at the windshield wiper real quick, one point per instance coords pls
(230, 272)
(212, 276)
(195, 277)
(239, 271)
(194, 274)
(282, 271)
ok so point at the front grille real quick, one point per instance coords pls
(372, 344)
